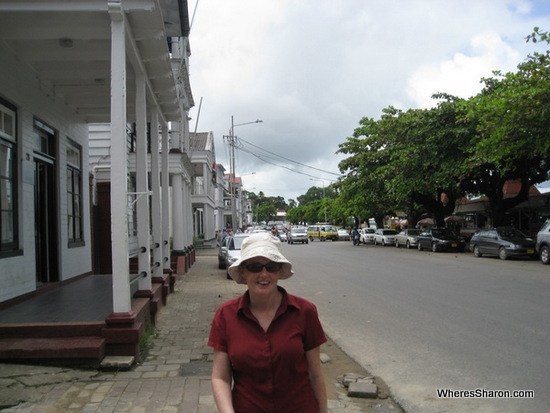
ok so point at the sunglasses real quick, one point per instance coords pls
(256, 267)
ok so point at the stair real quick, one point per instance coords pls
(76, 348)
(72, 342)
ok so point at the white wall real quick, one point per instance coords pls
(19, 87)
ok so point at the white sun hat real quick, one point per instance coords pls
(261, 244)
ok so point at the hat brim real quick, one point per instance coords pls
(260, 249)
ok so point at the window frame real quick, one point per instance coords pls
(74, 183)
(11, 248)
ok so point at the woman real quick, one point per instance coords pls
(267, 342)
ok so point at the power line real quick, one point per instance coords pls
(285, 158)
(264, 159)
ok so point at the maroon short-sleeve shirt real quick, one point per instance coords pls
(270, 370)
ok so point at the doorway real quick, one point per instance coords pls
(45, 207)
(45, 214)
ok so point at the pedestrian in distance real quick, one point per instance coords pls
(355, 236)
(266, 342)
(275, 232)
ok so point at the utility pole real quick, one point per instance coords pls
(232, 177)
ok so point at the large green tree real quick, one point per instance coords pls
(315, 193)
(407, 161)
(512, 137)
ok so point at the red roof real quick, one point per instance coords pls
(511, 189)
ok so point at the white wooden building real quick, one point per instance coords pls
(118, 69)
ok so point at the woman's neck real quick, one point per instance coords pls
(265, 303)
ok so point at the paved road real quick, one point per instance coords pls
(424, 321)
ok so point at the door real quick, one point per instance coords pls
(45, 220)
(491, 243)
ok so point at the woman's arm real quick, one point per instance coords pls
(317, 378)
(221, 382)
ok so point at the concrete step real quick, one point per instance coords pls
(86, 348)
(51, 330)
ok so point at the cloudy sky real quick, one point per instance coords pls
(311, 69)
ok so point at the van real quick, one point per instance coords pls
(313, 232)
(322, 232)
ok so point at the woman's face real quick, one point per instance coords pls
(261, 280)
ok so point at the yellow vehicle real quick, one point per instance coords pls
(322, 232)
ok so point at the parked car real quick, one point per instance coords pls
(283, 236)
(366, 235)
(322, 232)
(505, 242)
(543, 243)
(384, 236)
(407, 237)
(222, 252)
(234, 250)
(440, 239)
(343, 234)
(298, 234)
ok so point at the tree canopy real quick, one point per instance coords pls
(422, 160)
(512, 140)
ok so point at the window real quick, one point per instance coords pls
(74, 194)
(8, 182)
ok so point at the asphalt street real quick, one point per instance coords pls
(425, 321)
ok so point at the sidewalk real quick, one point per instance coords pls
(174, 377)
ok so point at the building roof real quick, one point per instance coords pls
(201, 141)
(67, 45)
(233, 179)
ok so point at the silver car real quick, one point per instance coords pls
(366, 235)
(407, 237)
(233, 250)
(385, 236)
(222, 252)
(543, 243)
(298, 234)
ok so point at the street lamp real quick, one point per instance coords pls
(232, 168)
(324, 197)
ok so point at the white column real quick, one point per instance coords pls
(177, 214)
(205, 175)
(142, 185)
(165, 182)
(187, 213)
(119, 184)
(155, 189)
(210, 222)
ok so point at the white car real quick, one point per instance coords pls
(343, 234)
(233, 252)
(384, 236)
(366, 235)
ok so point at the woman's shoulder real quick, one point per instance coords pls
(232, 305)
(300, 302)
